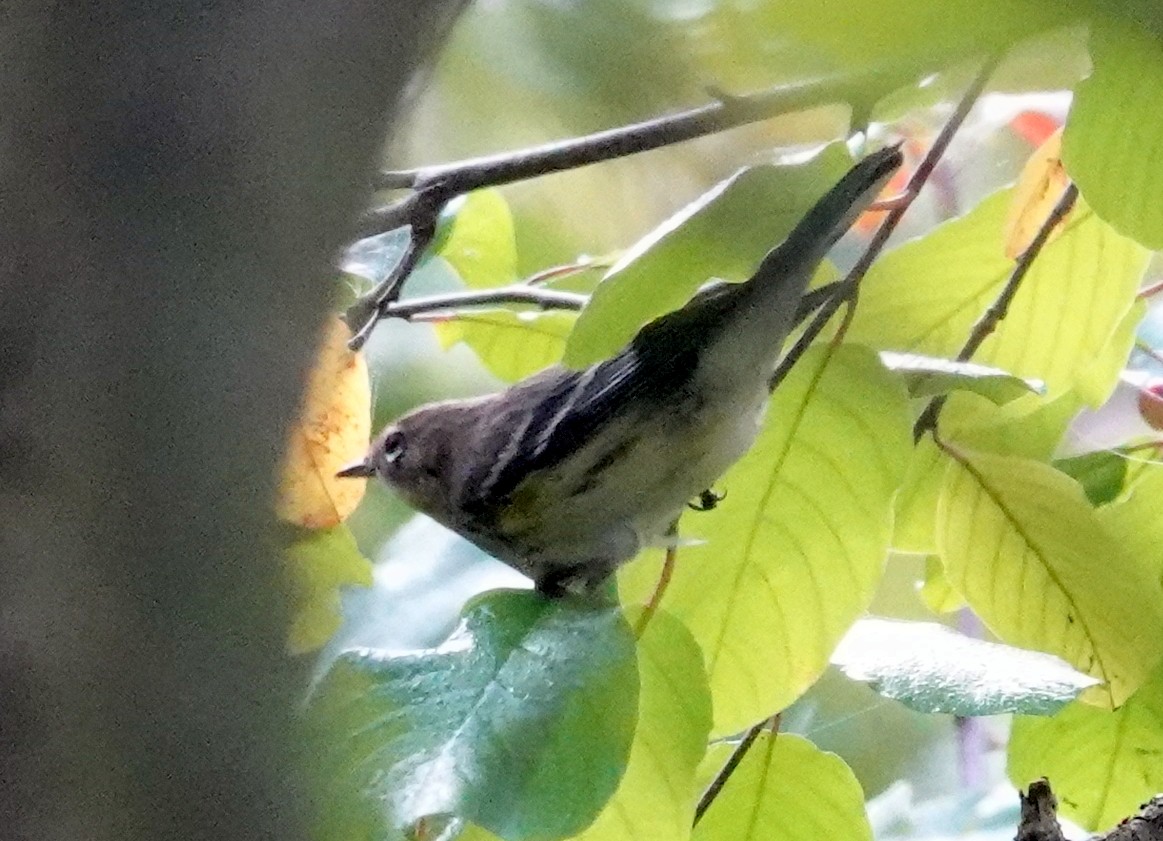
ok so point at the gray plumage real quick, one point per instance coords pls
(567, 474)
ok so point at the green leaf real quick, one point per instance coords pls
(934, 669)
(793, 553)
(512, 345)
(936, 591)
(789, 789)
(722, 234)
(915, 523)
(926, 376)
(1113, 142)
(1135, 519)
(1103, 764)
(318, 564)
(520, 722)
(478, 242)
(1029, 426)
(1019, 540)
(1066, 325)
(655, 799)
(1101, 474)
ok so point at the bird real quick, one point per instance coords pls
(568, 474)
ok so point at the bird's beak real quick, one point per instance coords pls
(359, 470)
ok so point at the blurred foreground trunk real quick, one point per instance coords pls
(173, 181)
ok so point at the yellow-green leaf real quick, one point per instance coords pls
(655, 798)
(793, 553)
(1136, 519)
(1103, 764)
(916, 504)
(479, 242)
(1020, 541)
(936, 591)
(1113, 143)
(1066, 323)
(787, 788)
(512, 345)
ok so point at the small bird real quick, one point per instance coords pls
(567, 474)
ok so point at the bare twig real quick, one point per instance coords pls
(992, 317)
(433, 187)
(898, 205)
(546, 299)
(732, 764)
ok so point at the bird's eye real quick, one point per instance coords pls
(393, 446)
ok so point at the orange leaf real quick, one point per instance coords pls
(332, 432)
(1038, 189)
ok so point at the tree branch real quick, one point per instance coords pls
(1039, 820)
(898, 205)
(732, 763)
(433, 187)
(992, 317)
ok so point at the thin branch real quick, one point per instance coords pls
(546, 299)
(433, 187)
(992, 317)
(732, 763)
(899, 205)
(660, 586)
(729, 111)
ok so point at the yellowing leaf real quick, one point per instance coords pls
(1038, 189)
(1022, 544)
(1103, 764)
(332, 432)
(793, 553)
(787, 788)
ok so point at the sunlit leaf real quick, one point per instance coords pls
(1020, 541)
(1103, 764)
(521, 722)
(933, 669)
(793, 553)
(1113, 143)
(722, 234)
(1038, 190)
(936, 591)
(1066, 325)
(1029, 426)
(512, 345)
(915, 523)
(926, 376)
(478, 240)
(331, 432)
(319, 563)
(789, 789)
(1136, 519)
(656, 797)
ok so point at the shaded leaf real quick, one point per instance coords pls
(319, 563)
(787, 788)
(926, 376)
(512, 345)
(332, 431)
(1101, 474)
(794, 552)
(1103, 764)
(1072, 591)
(655, 799)
(934, 669)
(520, 722)
(722, 234)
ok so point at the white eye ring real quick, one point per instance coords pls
(393, 446)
